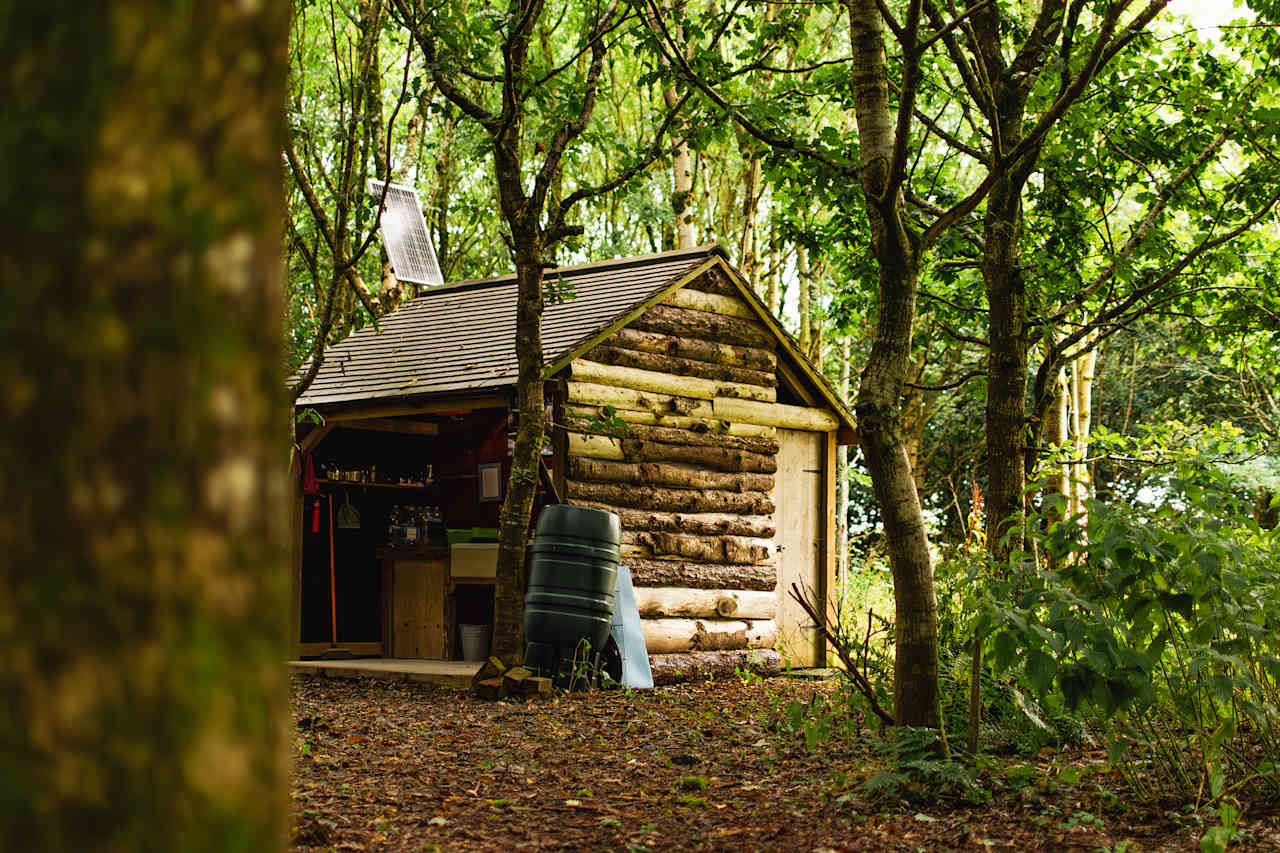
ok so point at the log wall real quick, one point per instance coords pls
(691, 475)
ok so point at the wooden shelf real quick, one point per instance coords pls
(373, 485)
(439, 479)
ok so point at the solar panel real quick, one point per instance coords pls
(404, 233)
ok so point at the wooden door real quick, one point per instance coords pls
(797, 496)
(417, 609)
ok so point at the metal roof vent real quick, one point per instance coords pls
(404, 233)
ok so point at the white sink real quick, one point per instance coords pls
(473, 560)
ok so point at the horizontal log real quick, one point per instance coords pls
(631, 551)
(664, 544)
(701, 575)
(775, 414)
(716, 303)
(665, 474)
(695, 436)
(716, 458)
(689, 603)
(663, 636)
(595, 394)
(712, 523)
(594, 447)
(606, 354)
(640, 450)
(585, 370)
(700, 666)
(712, 352)
(710, 426)
(686, 322)
(673, 500)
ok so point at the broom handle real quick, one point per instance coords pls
(333, 595)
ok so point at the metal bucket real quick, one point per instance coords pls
(475, 642)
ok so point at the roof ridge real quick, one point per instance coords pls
(592, 266)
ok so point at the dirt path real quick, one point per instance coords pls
(396, 766)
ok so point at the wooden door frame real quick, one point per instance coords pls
(827, 563)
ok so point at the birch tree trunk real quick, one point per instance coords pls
(681, 171)
(1057, 433)
(806, 316)
(1073, 422)
(842, 478)
(1086, 367)
(143, 569)
(681, 188)
(772, 292)
(748, 247)
(441, 192)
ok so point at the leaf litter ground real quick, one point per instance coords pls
(401, 766)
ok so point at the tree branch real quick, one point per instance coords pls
(786, 144)
(426, 43)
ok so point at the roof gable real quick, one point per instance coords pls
(804, 370)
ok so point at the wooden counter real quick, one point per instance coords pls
(414, 552)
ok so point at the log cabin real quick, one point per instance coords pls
(677, 401)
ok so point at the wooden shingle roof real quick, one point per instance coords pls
(461, 337)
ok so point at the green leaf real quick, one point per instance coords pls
(1215, 840)
(1006, 649)
(1041, 669)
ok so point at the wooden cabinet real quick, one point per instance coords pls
(415, 583)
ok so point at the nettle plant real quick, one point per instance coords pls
(1162, 615)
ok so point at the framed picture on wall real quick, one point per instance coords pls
(490, 476)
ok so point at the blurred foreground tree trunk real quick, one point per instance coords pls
(143, 576)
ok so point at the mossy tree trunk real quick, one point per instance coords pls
(143, 576)
(917, 696)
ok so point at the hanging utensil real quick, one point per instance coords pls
(348, 515)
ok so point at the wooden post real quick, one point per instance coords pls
(298, 516)
(559, 439)
(827, 564)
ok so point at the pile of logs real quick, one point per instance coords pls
(691, 477)
(495, 681)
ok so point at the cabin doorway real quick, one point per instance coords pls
(797, 496)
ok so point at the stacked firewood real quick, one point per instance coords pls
(495, 681)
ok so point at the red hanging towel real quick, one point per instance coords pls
(310, 485)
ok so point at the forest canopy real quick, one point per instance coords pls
(1199, 351)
